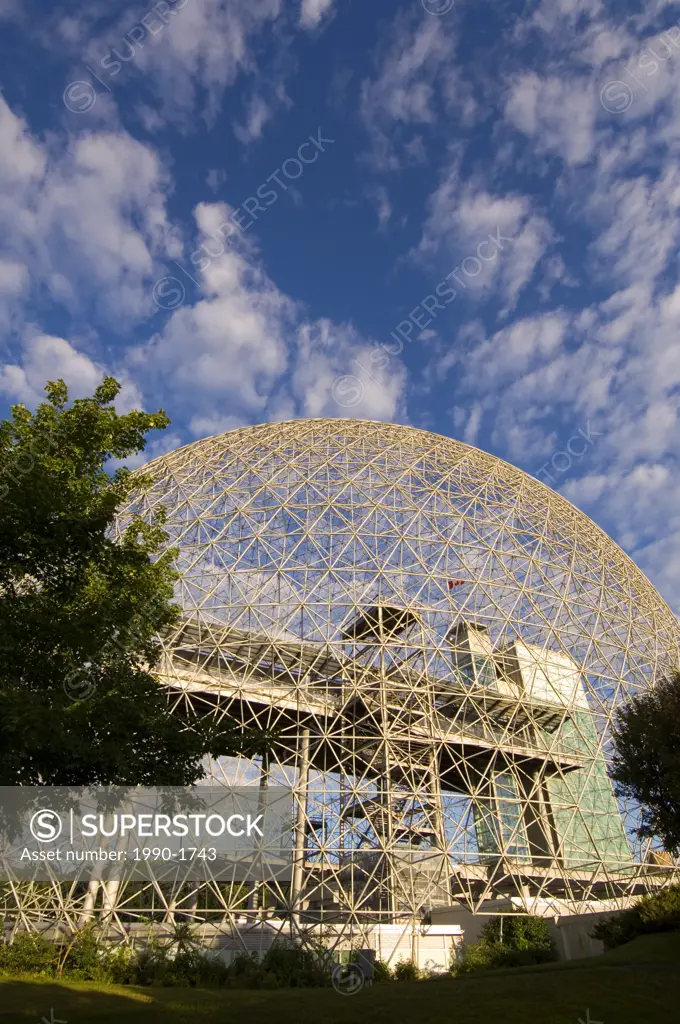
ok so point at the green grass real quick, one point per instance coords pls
(662, 948)
(551, 994)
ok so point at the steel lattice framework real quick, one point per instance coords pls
(440, 641)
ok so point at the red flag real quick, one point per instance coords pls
(456, 583)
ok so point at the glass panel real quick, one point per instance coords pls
(585, 811)
(486, 671)
(466, 668)
(514, 838)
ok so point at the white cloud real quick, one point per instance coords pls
(14, 280)
(474, 423)
(9, 9)
(559, 17)
(206, 426)
(86, 220)
(215, 178)
(558, 113)
(335, 375)
(640, 221)
(516, 349)
(230, 345)
(312, 11)
(378, 195)
(154, 448)
(257, 115)
(194, 58)
(245, 344)
(464, 215)
(45, 357)
(404, 92)
(22, 161)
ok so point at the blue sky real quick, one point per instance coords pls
(462, 216)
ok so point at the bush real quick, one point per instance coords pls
(406, 970)
(246, 971)
(382, 971)
(295, 967)
(657, 912)
(524, 940)
(518, 931)
(475, 957)
(160, 965)
(84, 959)
(122, 966)
(29, 954)
(177, 964)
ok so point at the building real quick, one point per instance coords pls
(440, 642)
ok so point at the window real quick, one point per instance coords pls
(486, 671)
(476, 670)
(513, 835)
(466, 668)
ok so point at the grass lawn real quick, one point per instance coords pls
(647, 991)
(658, 949)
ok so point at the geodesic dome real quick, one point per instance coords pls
(439, 641)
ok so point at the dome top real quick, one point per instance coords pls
(295, 529)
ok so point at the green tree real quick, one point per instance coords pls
(646, 762)
(80, 610)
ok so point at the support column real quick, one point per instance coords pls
(191, 905)
(87, 913)
(256, 897)
(440, 822)
(300, 826)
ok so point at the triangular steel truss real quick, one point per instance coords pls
(440, 642)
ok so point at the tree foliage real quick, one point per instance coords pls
(646, 762)
(80, 611)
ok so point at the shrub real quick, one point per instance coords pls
(284, 966)
(29, 954)
(524, 940)
(82, 957)
(518, 932)
(475, 957)
(406, 970)
(296, 967)
(122, 966)
(187, 968)
(656, 912)
(382, 971)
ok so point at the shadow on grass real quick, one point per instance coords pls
(32, 998)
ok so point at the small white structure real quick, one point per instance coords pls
(543, 675)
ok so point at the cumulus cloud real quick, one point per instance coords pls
(245, 344)
(312, 12)
(463, 215)
(338, 374)
(86, 219)
(44, 357)
(407, 90)
(559, 114)
(639, 222)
